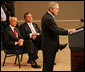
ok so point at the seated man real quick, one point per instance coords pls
(12, 37)
(32, 38)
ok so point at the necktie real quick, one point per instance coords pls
(15, 33)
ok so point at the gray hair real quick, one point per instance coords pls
(52, 4)
(11, 18)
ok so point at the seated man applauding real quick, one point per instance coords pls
(12, 38)
(32, 38)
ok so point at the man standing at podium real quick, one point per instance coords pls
(50, 36)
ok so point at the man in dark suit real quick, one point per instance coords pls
(7, 11)
(32, 36)
(10, 7)
(3, 21)
(50, 36)
(3, 15)
(11, 36)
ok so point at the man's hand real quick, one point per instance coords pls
(3, 20)
(19, 41)
(21, 44)
(72, 31)
(34, 34)
(34, 37)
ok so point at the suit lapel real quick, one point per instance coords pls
(35, 27)
(52, 17)
(18, 32)
(11, 32)
(27, 27)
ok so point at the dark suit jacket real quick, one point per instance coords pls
(9, 38)
(4, 24)
(9, 11)
(50, 33)
(25, 31)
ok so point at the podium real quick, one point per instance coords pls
(76, 45)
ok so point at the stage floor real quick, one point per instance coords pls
(63, 60)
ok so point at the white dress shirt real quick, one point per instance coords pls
(13, 31)
(3, 15)
(32, 29)
(51, 15)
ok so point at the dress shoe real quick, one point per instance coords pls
(35, 65)
(62, 46)
(54, 63)
(30, 61)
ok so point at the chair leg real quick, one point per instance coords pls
(19, 61)
(21, 57)
(15, 60)
(4, 59)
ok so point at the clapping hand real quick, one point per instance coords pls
(20, 42)
(34, 35)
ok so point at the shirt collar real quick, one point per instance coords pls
(12, 27)
(51, 14)
(29, 23)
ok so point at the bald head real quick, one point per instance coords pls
(13, 21)
(12, 18)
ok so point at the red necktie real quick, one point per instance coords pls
(15, 33)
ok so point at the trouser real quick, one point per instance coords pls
(48, 60)
(37, 42)
(33, 56)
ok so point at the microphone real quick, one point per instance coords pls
(82, 20)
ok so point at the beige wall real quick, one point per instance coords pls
(69, 10)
